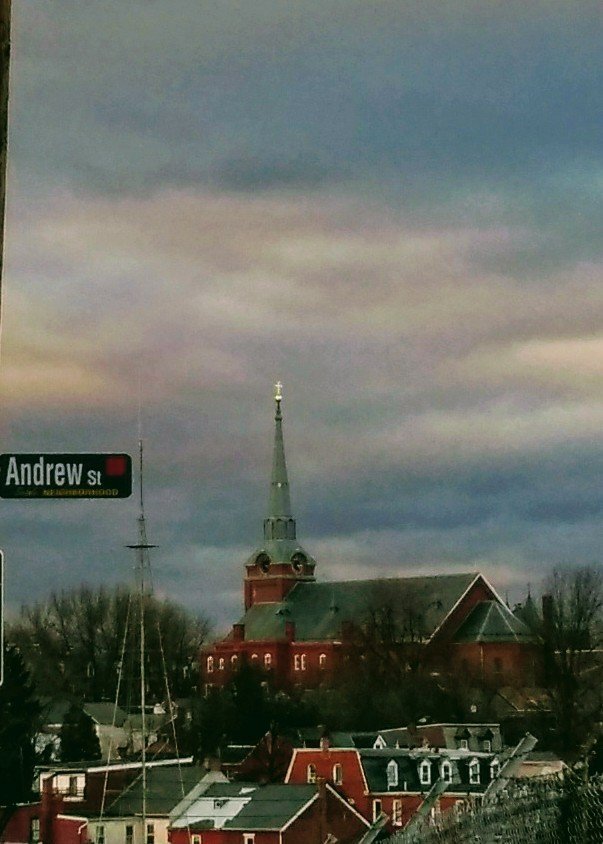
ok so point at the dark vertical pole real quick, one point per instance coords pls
(5, 7)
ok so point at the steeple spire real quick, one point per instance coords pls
(279, 524)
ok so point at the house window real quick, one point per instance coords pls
(376, 809)
(34, 830)
(72, 792)
(296, 662)
(267, 660)
(210, 664)
(322, 661)
(487, 746)
(196, 839)
(303, 662)
(248, 837)
(233, 660)
(129, 834)
(221, 664)
(100, 834)
(397, 812)
(425, 772)
(337, 774)
(494, 769)
(474, 772)
(446, 771)
(150, 833)
(311, 773)
(464, 744)
(392, 774)
(498, 666)
(254, 657)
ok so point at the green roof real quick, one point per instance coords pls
(166, 786)
(318, 609)
(490, 621)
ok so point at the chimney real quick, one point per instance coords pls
(290, 631)
(238, 632)
(325, 739)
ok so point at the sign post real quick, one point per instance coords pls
(65, 476)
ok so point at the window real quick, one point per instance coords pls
(494, 769)
(34, 830)
(392, 774)
(376, 809)
(196, 839)
(322, 662)
(296, 662)
(474, 772)
(487, 746)
(498, 666)
(397, 812)
(254, 657)
(233, 660)
(267, 660)
(425, 772)
(100, 834)
(337, 774)
(129, 834)
(303, 662)
(464, 744)
(72, 792)
(248, 837)
(446, 771)
(210, 664)
(150, 833)
(311, 773)
(221, 664)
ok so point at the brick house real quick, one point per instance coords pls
(300, 631)
(248, 813)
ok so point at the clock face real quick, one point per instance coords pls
(263, 561)
(298, 560)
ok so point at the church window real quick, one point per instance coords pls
(267, 660)
(210, 664)
(446, 771)
(311, 773)
(322, 661)
(221, 664)
(397, 812)
(337, 774)
(425, 772)
(474, 776)
(392, 774)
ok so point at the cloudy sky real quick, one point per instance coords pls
(394, 207)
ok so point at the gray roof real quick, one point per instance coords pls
(318, 609)
(166, 787)
(374, 764)
(491, 621)
(264, 806)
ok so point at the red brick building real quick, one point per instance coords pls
(300, 630)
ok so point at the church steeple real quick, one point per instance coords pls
(280, 523)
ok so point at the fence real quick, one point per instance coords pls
(561, 810)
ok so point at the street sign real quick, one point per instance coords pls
(65, 476)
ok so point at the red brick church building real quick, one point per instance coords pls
(300, 630)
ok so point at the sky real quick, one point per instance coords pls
(394, 208)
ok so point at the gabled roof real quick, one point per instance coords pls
(490, 621)
(318, 609)
(248, 806)
(165, 789)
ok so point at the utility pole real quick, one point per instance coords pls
(5, 8)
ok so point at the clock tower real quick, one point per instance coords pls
(274, 568)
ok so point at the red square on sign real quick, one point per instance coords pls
(115, 465)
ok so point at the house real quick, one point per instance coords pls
(477, 737)
(301, 631)
(248, 813)
(396, 781)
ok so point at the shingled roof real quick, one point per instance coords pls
(318, 609)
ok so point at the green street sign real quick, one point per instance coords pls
(65, 475)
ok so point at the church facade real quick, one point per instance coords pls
(301, 631)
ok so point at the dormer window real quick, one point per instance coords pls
(487, 745)
(425, 772)
(464, 744)
(392, 774)
(446, 771)
(474, 772)
(311, 774)
(494, 769)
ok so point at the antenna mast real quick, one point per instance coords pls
(141, 547)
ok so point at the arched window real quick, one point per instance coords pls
(254, 657)
(303, 662)
(233, 660)
(494, 769)
(337, 774)
(311, 773)
(221, 664)
(392, 774)
(322, 661)
(474, 776)
(446, 771)
(425, 772)
(210, 664)
(267, 660)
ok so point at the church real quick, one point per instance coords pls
(300, 630)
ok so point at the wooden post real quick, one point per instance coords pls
(5, 7)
